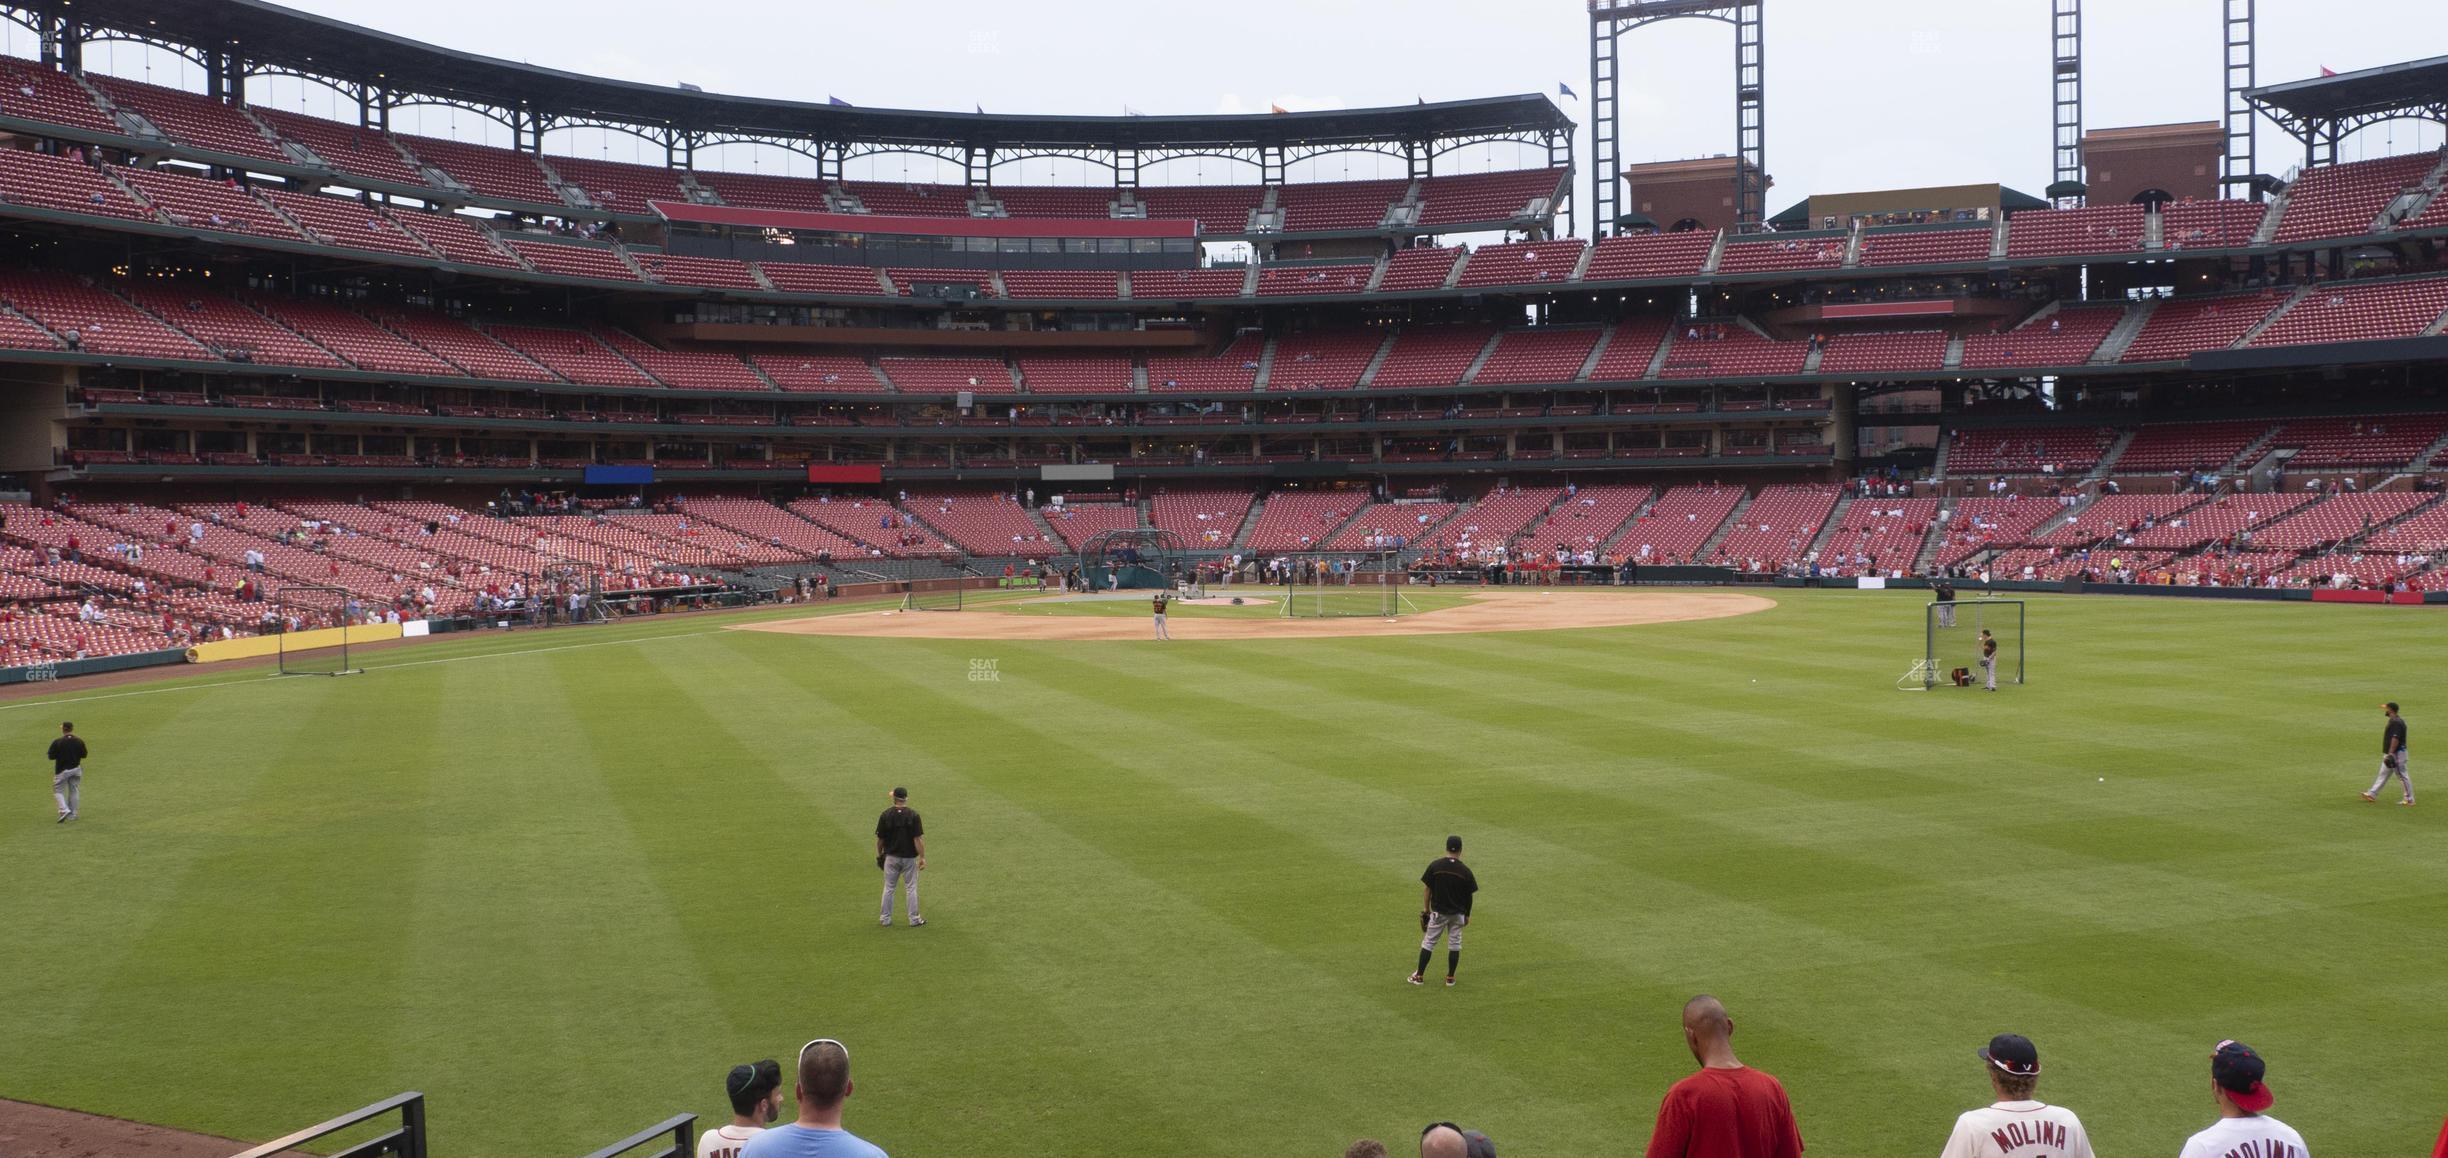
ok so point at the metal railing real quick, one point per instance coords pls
(406, 1142)
(680, 1128)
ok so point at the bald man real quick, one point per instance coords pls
(1728, 1109)
(1443, 1141)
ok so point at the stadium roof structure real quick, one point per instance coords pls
(256, 38)
(2322, 111)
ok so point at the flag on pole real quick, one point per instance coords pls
(1275, 108)
(1563, 89)
(836, 102)
(1131, 112)
(981, 110)
(2328, 71)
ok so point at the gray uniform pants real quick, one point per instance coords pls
(64, 787)
(898, 869)
(2389, 766)
(1446, 925)
(1161, 633)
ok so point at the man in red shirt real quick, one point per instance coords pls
(1727, 1110)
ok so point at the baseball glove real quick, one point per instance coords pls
(879, 860)
(1423, 918)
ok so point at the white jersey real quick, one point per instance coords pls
(726, 1141)
(2258, 1136)
(2018, 1130)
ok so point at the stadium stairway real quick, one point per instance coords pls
(1810, 361)
(1037, 519)
(2271, 318)
(2123, 333)
(1954, 353)
(1657, 361)
(1716, 253)
(2269, 221)
(1725, 526)
(2108, 457)
(1377, 362)
(1249, 523)
(1997, 239)
(1616, 536)
(1827, 529)
(1589, 365)
(1470, 373)
(1266, 363)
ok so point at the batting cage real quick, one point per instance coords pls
(314, 630)
(935, 595)
(1135, 559)
(1953, 644)
(1332, 584)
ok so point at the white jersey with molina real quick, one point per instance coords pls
(2019, 1130)
(726, 1141)
(2255, 1136)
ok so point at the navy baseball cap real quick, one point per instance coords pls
(2238, 1072)
(2014, 1055)
(900, 793)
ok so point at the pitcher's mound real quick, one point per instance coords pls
(1498, 609)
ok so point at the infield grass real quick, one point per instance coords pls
(561, 881)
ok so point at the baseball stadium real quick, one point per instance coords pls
(472, 584)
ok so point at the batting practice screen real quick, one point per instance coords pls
(1951, 635)
(1342, 585)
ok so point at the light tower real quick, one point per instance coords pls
(1609, 20)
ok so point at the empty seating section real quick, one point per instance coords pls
(2424, 532)
(2210, 224)
(2067, 337)
(1647, 255)
(711, 272)
(820, 373)
(1738, 353)
(1076, 523)
(1683, 519)
(1880, 535)
(1498, 518)
(909, 199)
(456, 238)
(773, 525)
(1630, 350)
(346, 148)
(991, 524)
(194, 203)
(1474, 197)
(2335, 519)
(864, 522)
(572, 354)
(55, 183)
(1779, 525)
(221, 324)
(2343, 200)
(1588, 517)
(1541, 355)
(1310, 279)
(347, 224)
(1337, 205)
(54, 99)
(361, 342)
(2380, 441)
(1387, 526)
(2187, 446)
(1086, 284)
(2183, 327)
(191, 119)
(2348, 312)
(569, 259)
(483, 169)
(905, 280)
(683, 369)
(461, 345)
(947, 375)
(2092, 229)
(1073, 202)
(764, 190)
(1817, 252)
(802, 278)
(1164, 284)
(1079, 373)
(1971, 526)
(1523, 263)
(1925, 246)
(1216, 208)
(1330, 361)
(105, 324)
(2071, 450)
(1909, 350)
(2110, 515)
(1423, 268)
(1205, 520)
(1234, 369)
(2217, 521)
(2433, 216)
(1431, 356)
(1302, 520)
(16, 333)
(619, 187)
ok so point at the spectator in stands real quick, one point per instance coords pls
(824, 1085)
(1727, 1110)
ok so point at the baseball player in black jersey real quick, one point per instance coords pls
(2392, 757)
(1445, 905)
(68, 771)
(1988, 659)
(1161, 600)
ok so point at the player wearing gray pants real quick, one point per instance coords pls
(2392, 757)
(901, 853)
(897, 871)
(1988, 659)
(67, 755)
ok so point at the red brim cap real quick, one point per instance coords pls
(2254, 1100)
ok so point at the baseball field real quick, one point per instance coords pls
(561, 881)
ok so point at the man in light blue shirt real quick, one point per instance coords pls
(824, 1084)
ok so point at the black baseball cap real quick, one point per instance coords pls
(900, 793)
(2014, 1055)
(2391, 705)
(1453, 844)
(2238, 1071)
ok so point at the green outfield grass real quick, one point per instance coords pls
(560, 881)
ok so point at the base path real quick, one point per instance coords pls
(1496, 609)
(31, 1131)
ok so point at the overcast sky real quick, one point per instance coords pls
(1862, 94)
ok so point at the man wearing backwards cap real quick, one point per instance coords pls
(2017, 1126)
(2243, 1129)
(756, 1100)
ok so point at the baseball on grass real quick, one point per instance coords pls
(2103, 780)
